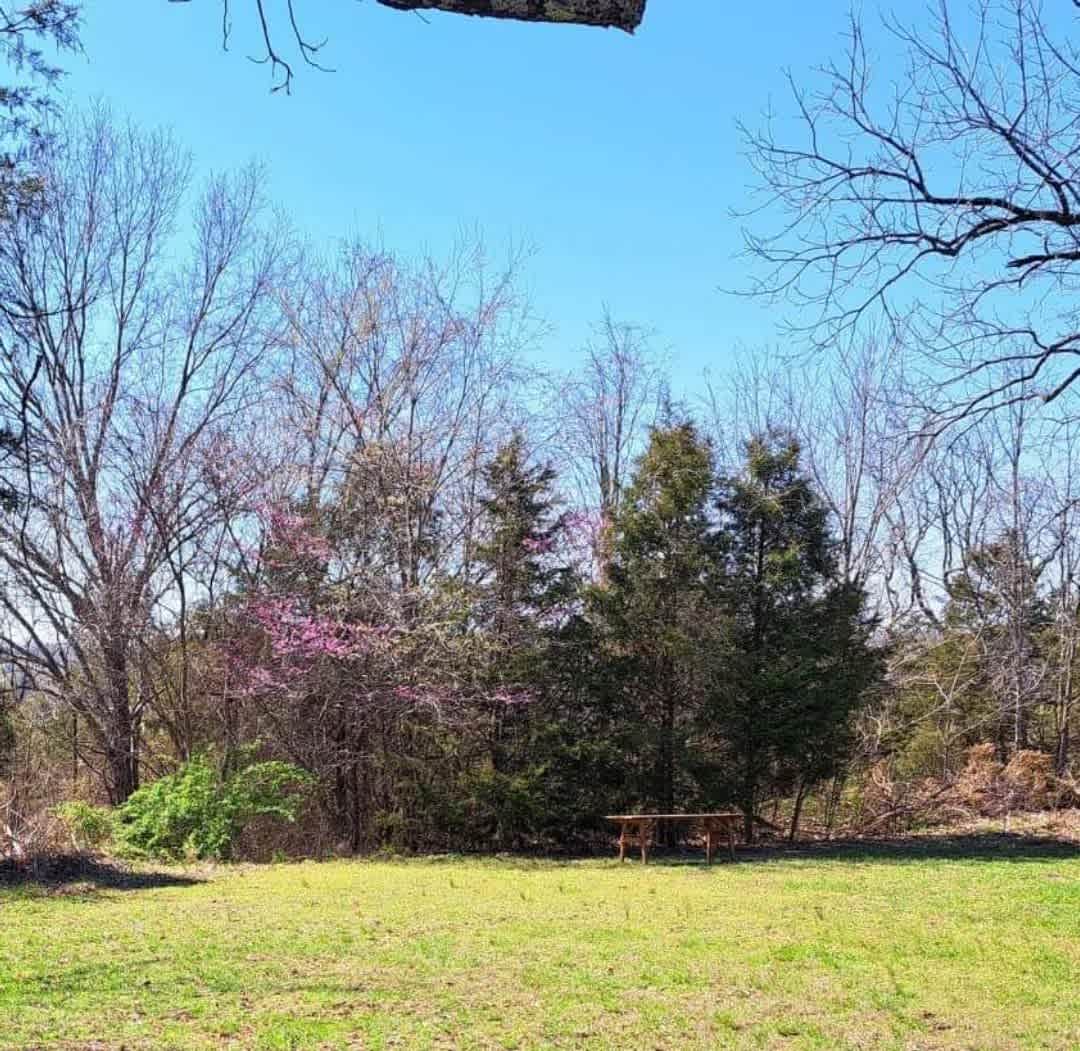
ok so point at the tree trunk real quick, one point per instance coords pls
(1063, 709)
(1061, 748)
(667, 772)
(797, 812)
(667, 833)
(122, 771)
(74, 751)
(746, 805)
(357, 819)
(121, 759)
(751, 713)
(833, 804)
(610, 14)
(121, 745)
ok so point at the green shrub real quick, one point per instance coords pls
(197, 812)
(510, 807)
(89, 826)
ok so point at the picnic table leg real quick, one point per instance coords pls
(622, 840)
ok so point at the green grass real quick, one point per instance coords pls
(977, 950)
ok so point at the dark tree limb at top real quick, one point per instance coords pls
(610, 14)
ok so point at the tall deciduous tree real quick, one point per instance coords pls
(142, 362)
(601, 417)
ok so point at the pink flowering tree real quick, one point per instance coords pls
(337, 661)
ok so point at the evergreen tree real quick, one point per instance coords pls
(520, 607)
(523, 581)
(655, 608)
(799, 659)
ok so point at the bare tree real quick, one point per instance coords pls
(600, 415)
(753, 397)
(399, 387)
(946, 201)
(949, 669)
(141, 362)
(1061, 641)
(848, 417)
(858, 451)
(1065, 641)
(991, 525)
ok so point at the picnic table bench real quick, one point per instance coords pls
(642, 827)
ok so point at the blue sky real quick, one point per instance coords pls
(617, 157)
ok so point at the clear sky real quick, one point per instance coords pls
(617, 157)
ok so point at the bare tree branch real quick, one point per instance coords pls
(610, 14)
(947, 203)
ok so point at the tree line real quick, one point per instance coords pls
(319, 504)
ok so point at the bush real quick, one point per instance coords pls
(992, 788)
(1029, 777)
(89, 826)
(197, 812)
(510, 806)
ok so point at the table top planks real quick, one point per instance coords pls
(673, 817)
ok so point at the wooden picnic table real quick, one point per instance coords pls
(643, 826)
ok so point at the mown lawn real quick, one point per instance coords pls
(966, 947)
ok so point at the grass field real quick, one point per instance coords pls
(969, 944)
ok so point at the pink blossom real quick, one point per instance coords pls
(584, 524)
(296, 536)
(511, 696)
(299, 636)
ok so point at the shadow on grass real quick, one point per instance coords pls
(990, 846)
(67, 873)
(987, 846)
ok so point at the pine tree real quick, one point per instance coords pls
(522, 579)
(655, 608)
(519, 607)
(799, 659)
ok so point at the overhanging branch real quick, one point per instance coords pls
(611, 14)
